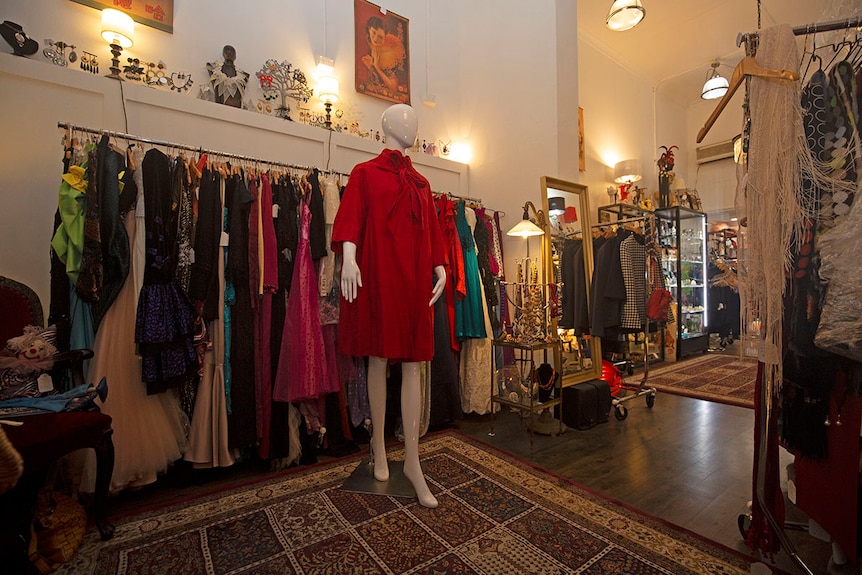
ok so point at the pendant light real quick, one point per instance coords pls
(716, 85)
(625, 15)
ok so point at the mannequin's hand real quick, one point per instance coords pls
(440, 285)
(351, 278)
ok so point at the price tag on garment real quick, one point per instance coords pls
(46, 384)
(225, 239)
(275, 209)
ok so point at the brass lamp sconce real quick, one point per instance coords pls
(526, 228)
(327, 87)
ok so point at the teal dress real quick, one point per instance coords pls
(469, 313)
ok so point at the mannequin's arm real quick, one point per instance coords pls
(439, 286)
(351, 278)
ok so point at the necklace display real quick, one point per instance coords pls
(22, 45)
(180, 81)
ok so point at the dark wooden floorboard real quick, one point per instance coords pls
(685, 460)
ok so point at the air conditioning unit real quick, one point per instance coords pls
(714, 152)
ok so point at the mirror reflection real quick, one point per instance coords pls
(569, 261)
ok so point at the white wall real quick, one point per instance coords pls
(492, 67)
(715, 182)
(624, 118)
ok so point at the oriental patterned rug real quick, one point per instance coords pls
(723, 378)
(497, 516)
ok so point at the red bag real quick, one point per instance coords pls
(658, 304)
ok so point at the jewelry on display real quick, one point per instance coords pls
(282, 79)
(56, 52)
(22, 45)
(155, 74)
(89, 62)
(134, 71)
(180, 81)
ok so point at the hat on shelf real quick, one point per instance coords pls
(22, 44)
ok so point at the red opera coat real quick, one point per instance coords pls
(387, 210)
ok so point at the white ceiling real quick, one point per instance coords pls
(672, 48)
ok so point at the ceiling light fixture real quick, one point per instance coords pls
(625, 15)
(716, 85)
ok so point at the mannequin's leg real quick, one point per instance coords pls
(411, 405)
(377, 403)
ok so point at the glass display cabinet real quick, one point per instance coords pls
(682, 239)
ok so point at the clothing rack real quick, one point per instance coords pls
(765, 415)
(199, 150)
(813, 28)
(457, 198)
(602, 225)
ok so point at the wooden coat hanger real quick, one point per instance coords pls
(748, 66)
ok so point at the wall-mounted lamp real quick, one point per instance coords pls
(327, 91)
(625, 15)
(526, 228)
(716, 85)
(118, 30)
(627, 173)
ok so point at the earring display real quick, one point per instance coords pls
(56, 52)
(155, 74)
(134, 71)
(89, 62)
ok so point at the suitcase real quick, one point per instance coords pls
(603, 392)
(586, 404)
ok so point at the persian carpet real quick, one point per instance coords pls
(497, 516)
(723, 378)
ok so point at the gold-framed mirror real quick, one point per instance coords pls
(568, 262)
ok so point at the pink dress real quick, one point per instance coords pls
(303, 372)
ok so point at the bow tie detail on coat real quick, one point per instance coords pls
(409, 184)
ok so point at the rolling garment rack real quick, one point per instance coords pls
(766, 389)
(641, 389)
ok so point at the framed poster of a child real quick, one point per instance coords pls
(382, 66)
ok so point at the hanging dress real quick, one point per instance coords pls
(303, 370)
(469, 320)
(165, 318)
(476, 352)
(456, 288)
(149, 430)
(208, 438)
(241, 417)
(263, 281)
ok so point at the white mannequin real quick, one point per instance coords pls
(400, 127)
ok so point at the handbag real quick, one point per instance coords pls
(58, 527)
(658, 304)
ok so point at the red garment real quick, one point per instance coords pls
(388, 212)
(455, 283)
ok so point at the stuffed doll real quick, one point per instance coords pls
(24, 359)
